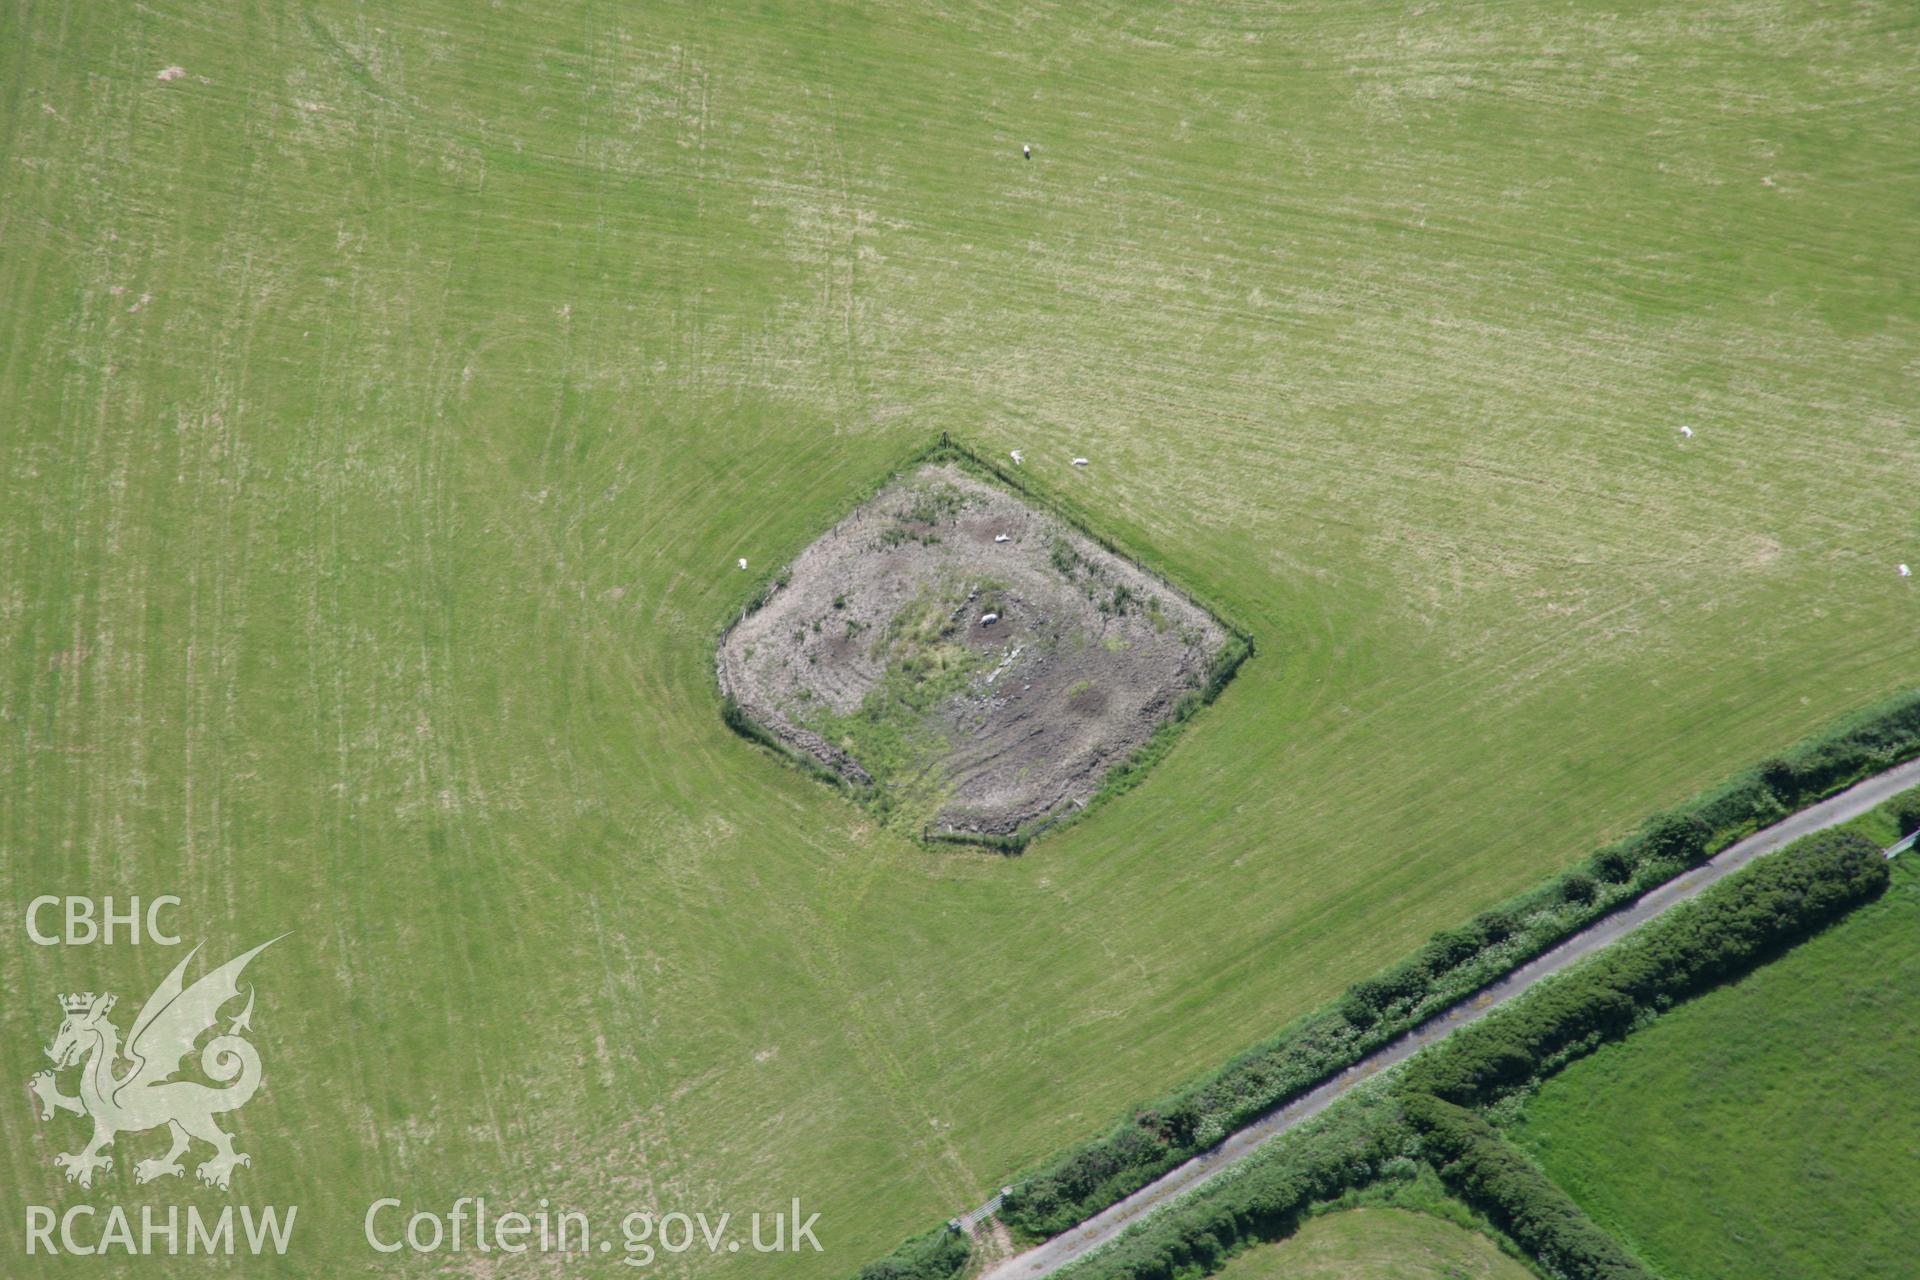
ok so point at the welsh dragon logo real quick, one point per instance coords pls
(143, 1095)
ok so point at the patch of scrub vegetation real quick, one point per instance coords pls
(933, 503)
(899, 535)
(1122, 599)
(893, 733)
(924, 639)
(1108, 596)
(1766, 1130)
(1067, 561)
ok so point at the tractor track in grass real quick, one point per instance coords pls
(1070, 1246)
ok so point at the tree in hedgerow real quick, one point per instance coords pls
(1614, 864)
(1496, 925)
(1578, 887)
(1905, 811)
(1781, 777)
(1677, 838)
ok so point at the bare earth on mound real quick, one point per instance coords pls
(979, 661)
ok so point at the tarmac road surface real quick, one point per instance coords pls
(1070, 1246)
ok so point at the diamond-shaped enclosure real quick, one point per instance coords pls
(973, 662)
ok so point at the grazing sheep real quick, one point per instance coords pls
(743, 562)
(1079, 462)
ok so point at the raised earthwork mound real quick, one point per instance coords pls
(974, 663)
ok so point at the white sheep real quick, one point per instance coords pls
(1905, 572)
(1001, 537)
(1687, 432)
(988, 619)
(1079, 462)
(1017, 459)
(743, 562)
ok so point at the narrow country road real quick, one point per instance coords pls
(1070, 1246)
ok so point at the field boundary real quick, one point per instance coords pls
(1854, 748)
(1160, 1134)
(1069, 1247)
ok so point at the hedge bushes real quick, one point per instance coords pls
(1678, 838)
(934, 1256)
(1450, 967)
(1905, 811)
(1771, 905)
(1159, 1136)
(1265, 1199)
(1493, 1176)
(1453, 965)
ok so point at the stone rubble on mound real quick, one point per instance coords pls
(980, 682)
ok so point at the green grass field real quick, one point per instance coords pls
(1378, 1244)
(1768, 1129)
(385, 400)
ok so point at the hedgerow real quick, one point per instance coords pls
(1771, 905)
(1453, 965)
(1348, 1145)
(1905, 812)
(935, 1255)
(1495, 1177)
(1777, 901)
(1768, 907)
